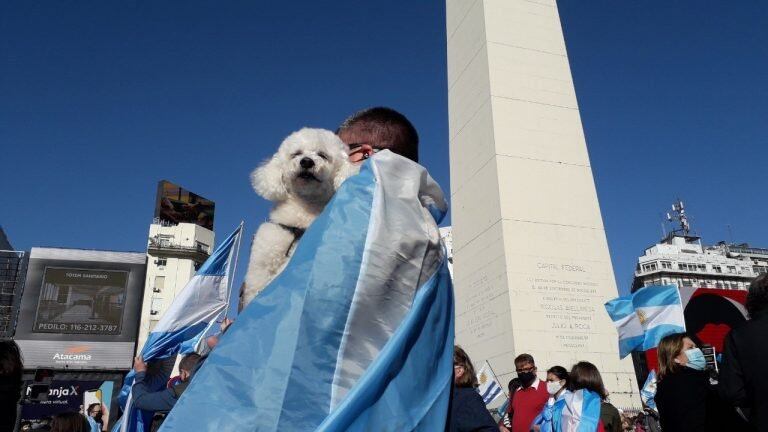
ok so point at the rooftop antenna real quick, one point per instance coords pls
(730, 233)
(678, 215)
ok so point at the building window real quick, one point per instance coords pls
(687, 283)
(760, 269)
(157, 304)
(701, 267)
(717, 269)
(159, 284)
(681, 266)
(164, 239)
(161, 263)
(732, 269)
(203, 247)
(649, 267)
(666, 265)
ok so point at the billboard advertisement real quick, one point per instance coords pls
(175, 205)
(80, 309)
(70, 395)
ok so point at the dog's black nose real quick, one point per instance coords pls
(306, 163)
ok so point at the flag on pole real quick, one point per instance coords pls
(356, 334)
(489, 388)
(627, 323)
(646, 316)
(660, 311)
(193, 315)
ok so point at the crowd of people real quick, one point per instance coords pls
(690, 396)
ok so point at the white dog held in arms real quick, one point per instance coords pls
(300, 179)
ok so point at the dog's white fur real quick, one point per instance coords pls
(299, 193)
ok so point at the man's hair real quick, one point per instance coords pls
(91, 406)
(524, 358)
(585, 375)
(188, 362)
(388, 128)
(560, 372)
(757, 297)
(460, 358)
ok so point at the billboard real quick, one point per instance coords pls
(175, 205)
(80, 309)
(81, 301)
(70, 395)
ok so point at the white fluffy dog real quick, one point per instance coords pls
(300, 179)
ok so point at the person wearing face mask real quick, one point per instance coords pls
(686, 398)
(530, 399)
(557, 380)
(94, 417)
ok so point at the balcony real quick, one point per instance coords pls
(162, 247)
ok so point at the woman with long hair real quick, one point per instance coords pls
(686, 396)
(585, 406)
(468, 412)
(557, 383)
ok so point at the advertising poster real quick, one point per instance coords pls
(66, 396)
(177, 205)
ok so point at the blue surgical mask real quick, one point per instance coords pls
(696, 359)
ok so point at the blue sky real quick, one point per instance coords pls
(99, 100)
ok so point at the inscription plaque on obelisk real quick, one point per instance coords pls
(531, 262)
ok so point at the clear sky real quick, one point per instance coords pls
(99, 100)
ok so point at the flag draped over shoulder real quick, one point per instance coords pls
(193, 315)
(355, 334)
(646, 316)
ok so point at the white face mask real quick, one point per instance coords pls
(553, 387)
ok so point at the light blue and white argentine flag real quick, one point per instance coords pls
(631, 334)
(489, 388)
(577, 411)
(648, 392)
(660, 311)
(356, 334)
(193, 315)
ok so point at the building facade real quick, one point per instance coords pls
(12, 270)
(174, 253)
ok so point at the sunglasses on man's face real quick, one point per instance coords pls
(355, 149)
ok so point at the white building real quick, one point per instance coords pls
(174, 253)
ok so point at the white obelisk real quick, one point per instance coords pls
(531, 262)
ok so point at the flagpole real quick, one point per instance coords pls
(497, 379)
(234, 268)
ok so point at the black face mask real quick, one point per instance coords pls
(97, 417)
(526, 378)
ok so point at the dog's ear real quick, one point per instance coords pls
(267, 180)
(346, 169)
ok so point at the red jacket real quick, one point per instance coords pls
(526, 404)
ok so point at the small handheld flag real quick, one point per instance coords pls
(489, 388)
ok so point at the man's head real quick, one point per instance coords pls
(757, 297)
(94, 410)
(187, 365)
(525, 367)
(379, 128)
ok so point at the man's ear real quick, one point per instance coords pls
(267, 180)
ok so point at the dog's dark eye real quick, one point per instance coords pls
(323, 155)
(298, 153)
